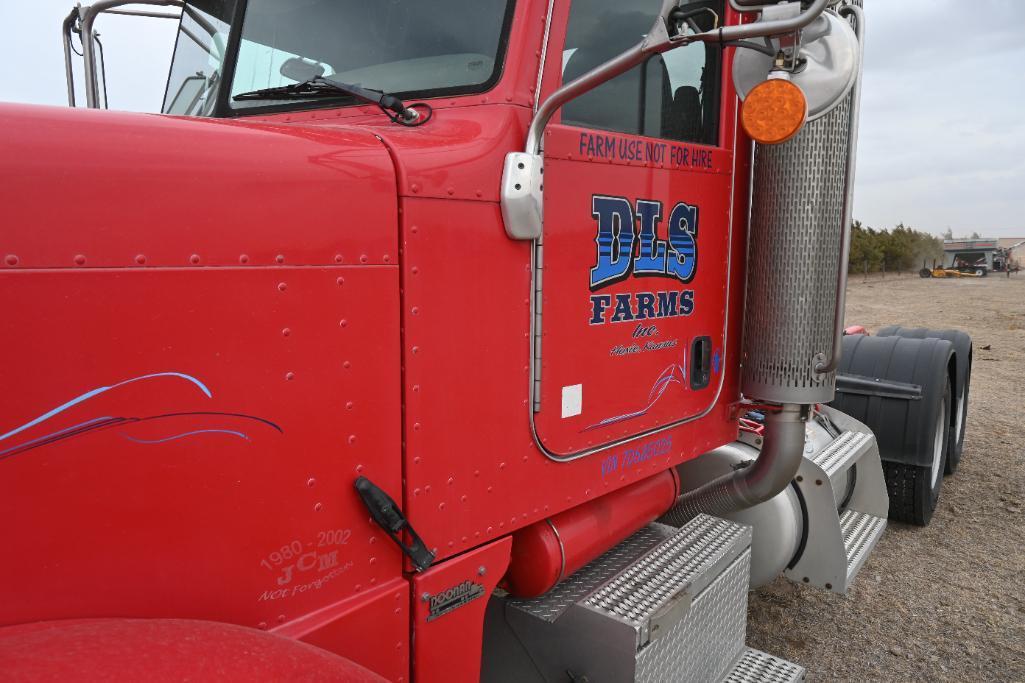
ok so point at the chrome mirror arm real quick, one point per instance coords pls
(658, 41)
(655, 42)
(67, 27)
(85, 17)
(522, 191)
(764, 29)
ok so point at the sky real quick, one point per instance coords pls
(942, 122)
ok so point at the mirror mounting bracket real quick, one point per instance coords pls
(522, 187)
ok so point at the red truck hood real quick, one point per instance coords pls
(83, 188)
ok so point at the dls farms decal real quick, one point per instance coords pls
(627, 245)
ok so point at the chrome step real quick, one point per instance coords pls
(844, 493)
(861, 532)
(755, 666)
(844, 451)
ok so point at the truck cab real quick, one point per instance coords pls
(326, 350)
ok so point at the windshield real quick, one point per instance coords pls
(418, 49)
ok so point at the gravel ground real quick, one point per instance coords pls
(944, 603)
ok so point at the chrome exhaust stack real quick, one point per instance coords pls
(795, 279)
(797, 256)
(800, 235)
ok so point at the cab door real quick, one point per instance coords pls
(633, 265)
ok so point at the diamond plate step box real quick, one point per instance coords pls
(666, 604)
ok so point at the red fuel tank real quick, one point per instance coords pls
(545, 553)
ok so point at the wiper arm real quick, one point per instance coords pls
(324, 86)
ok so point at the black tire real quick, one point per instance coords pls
(962, 382)
(924, 273)
(914, 490)
(913, 434)
(980, 272)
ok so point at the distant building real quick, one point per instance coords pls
(970, 253)
(983, 254)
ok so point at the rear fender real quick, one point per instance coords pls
(899, 423)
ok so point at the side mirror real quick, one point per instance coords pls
(184, 101)
(827, 62)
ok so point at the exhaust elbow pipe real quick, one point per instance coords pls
(772, 472)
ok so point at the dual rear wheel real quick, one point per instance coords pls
(962, 344)
(917, 410)
(914, 490)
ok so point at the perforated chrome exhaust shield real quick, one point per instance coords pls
(793, 262)
(800, 223)
(799, 240)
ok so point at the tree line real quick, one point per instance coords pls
(900, 249)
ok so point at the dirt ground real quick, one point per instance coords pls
(944, 603)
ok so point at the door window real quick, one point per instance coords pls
(198, 57)
(673, 96)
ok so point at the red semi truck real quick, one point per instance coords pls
(444, 341)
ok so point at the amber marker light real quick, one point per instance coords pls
(774, 111)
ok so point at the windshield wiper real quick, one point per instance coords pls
(324, 86)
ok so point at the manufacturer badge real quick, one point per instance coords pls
(454, 598)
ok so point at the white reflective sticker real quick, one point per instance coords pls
(572, 400)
